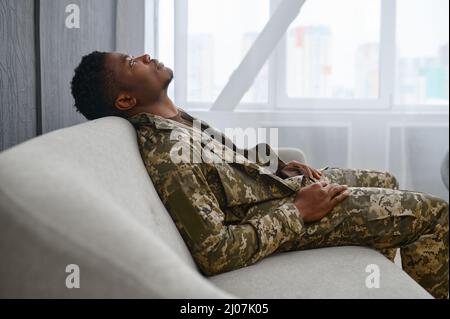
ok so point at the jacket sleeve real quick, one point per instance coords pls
(217, 247)
(262, 154)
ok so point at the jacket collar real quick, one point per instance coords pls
(157, 121)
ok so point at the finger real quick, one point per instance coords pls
(333, 188)
(302, 167)
(323, 183)
(299, 170)
(310, 173)
(337, 189)
(317, 174)
(327, 187)
(293, 164)
(340, 198)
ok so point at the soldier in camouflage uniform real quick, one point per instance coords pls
(232, 215)
(232, 209)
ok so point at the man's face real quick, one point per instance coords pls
(142, 77)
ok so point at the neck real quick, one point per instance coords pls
(163, 107)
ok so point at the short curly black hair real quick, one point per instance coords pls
(94, 88)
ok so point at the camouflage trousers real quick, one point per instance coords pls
(379, 215)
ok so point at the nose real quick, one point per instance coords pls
(145, 58)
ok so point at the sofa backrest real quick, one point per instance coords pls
(82, 195)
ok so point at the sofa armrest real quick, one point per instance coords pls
(287, 154)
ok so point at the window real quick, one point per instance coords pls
(422, 52)
(165, 37)
(220, 32)
(376, 54)
(332, 50)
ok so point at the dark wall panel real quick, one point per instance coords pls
(17, 72)
(62, 49)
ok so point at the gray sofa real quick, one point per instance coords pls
(81, 195)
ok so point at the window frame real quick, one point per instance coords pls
(181, 60)
(278, 98)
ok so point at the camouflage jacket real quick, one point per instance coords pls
(230, 214)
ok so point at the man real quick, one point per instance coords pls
(233, 214)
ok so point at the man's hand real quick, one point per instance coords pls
(295, 168)
(316, 200)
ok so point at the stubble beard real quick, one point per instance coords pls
(166, 85)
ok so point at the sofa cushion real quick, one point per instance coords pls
(82, 195)
(338, 272)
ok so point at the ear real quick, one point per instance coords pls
(125, 102)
